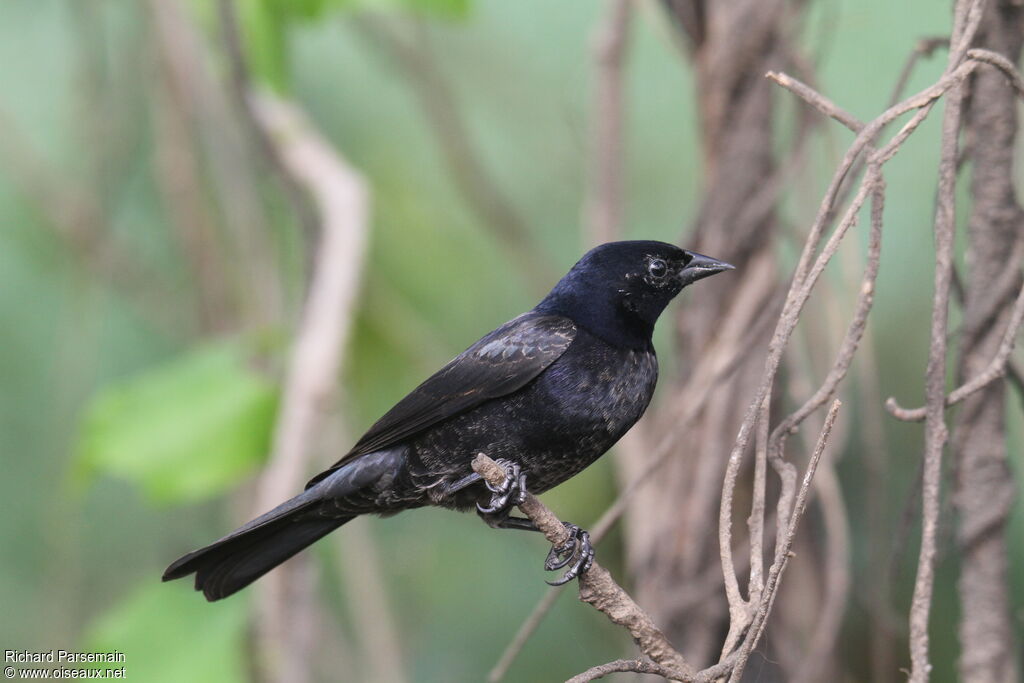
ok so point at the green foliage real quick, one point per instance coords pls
(168, 633)
(185, 430)
(263, 25)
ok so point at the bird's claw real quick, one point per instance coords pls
(576, 551)
(510, 493)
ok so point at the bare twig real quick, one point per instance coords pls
(996, 369)
(639, 666)
(782, 552)
(642, 666)
(836, 554)
(597, 587)
(966, 19)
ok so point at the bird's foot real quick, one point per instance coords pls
(577, 553)
(510, 493)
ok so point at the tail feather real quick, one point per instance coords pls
(232, 563)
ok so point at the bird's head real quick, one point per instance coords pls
(618, 290)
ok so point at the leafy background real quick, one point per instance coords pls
(129, 435)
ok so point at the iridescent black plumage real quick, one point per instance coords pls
(547, 393)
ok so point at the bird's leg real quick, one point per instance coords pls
(504, 497)
(576, 551)
(510, 493)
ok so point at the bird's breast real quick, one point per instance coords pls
(607, 387)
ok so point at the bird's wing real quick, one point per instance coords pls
(502, 362)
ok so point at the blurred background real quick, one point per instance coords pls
(156, 253)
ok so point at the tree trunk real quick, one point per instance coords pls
(984, 486)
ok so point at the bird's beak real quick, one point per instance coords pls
(700, 267)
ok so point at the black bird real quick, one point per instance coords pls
(545, 395)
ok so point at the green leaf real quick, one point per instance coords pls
(185, 430)
(169, 634)
(264, 25)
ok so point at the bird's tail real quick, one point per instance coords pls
(232, 563)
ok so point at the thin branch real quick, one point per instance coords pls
(855, 331)
(996, 369)
(642, 666)
(816, 99)
(596, 586)
(638, 666)
(341, 198)
(836, 554)
(782, 552)
(966, 20)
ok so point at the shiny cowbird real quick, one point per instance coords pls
(545, 395)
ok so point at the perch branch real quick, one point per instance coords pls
(597, 587)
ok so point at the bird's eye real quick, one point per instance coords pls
(657, 268)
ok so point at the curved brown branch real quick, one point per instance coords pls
(638, 666)
(597, 587)
(642, 666)
(996, 369)
(782, 552)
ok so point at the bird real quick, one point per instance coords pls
(544, 395)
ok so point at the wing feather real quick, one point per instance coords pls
(498, 364)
